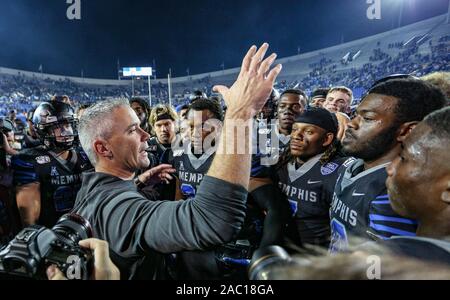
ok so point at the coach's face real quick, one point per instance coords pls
(128, 141)
(420, 176)
(373, 131)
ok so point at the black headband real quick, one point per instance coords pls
(164, 116)
(319, 117)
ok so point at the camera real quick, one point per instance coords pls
(265, 260)
(36, 247)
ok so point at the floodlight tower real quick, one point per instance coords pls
(140, 71)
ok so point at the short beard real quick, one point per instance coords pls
(376, 147)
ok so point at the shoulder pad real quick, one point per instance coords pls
(28, 155)
(22, 162)
(24, 171)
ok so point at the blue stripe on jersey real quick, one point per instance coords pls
(21, 163)
(382, 197)
(374, 217)
(381, 202)
(391, 230)
(237, 261)
(25, 177)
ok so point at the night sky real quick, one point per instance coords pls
(194, 34)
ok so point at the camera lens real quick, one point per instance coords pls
(264, 259)
(73, 227)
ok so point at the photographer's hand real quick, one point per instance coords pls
(53, 273)
(104, 268)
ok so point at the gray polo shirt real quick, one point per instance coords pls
(140, 231)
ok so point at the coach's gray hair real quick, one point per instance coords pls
(96, 123)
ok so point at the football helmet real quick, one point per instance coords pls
(56, 124)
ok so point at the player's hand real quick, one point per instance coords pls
(253, 86)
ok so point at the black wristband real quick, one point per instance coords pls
(139, 184)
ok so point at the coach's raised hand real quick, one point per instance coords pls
(253, 85)
(244, 99)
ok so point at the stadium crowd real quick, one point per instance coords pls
(336, 162)
(20, 92)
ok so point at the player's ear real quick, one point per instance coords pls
(445, 196)
(101, 148)
(328, 139)
(405, 130)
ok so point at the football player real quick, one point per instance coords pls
(307, 173)
(192, 161)
(142, 109)
(163, 120)
(361, 205)
(48, 177)
(269, 142)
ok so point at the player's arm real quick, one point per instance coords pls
(257, 182)
(26, 181)
(268, 198)
(28, 199)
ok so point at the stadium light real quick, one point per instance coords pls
(401, 4)
(139, 71)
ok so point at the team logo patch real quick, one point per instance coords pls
(54, 172)
(264, 131)
(45, 159)
(328, 168)
(187, 190)
(178, 152)
(152, 148)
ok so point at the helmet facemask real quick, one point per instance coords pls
(62, 135)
